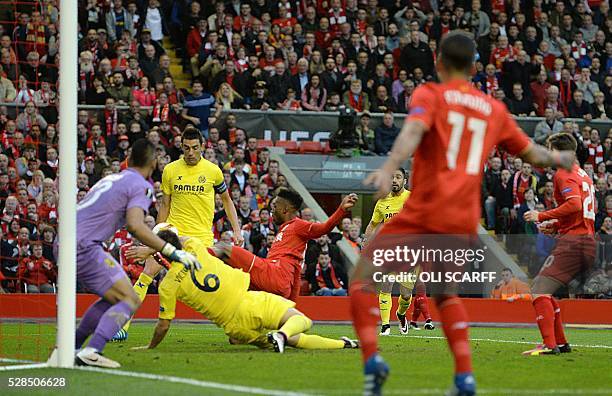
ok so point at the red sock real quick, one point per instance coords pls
(545, 317)
(364, 310)
(241, 259)
(455, 325)
(424, 306)
(417, 309)
(559, 332)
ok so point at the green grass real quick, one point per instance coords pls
(419, 365)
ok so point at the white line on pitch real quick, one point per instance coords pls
(24, 367)
(490, 391)
(500, 341)
(194, 382)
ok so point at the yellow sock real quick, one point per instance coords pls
(140, 287)
(307, 341)
(384, 301)
(295, 325)
(403, 305)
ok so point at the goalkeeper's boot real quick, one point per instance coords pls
(403, 324)
(350, 344)
(121, 336)
(376, 372)
(414, 325)
(565, 348)
(385, 330)
(464, 385)
(278, 341)
(540, 350)
(90, 357)
(429, 325)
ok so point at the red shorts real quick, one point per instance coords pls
(272, 276)
(573, 255)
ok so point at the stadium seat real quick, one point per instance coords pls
(289, 145)
(311, 147)
(326, 148)
(264, 143)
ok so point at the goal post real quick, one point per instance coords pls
(68, 88)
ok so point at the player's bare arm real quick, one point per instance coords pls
(570, 206)
(232, 215)
(349, 201)
(370, 229)
(539, 156)
(164, 208)
(405, 145)
(161, 329)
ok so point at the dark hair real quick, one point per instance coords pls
(191, 133)
(171, 238)
(143, 151)
(403, 171)
(562, 141)
(292, 197)
(506, 269)
(457, 51)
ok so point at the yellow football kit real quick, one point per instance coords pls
(192, 190)
(246, 316)
(389, 206)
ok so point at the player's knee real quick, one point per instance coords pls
(308, 322)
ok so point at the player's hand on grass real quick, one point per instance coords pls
(139, 253)
(381, 180)
(531, 215)
(349, 201)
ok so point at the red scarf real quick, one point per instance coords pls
(357, 105)
(111, 122)
(84, 79)
(161, 113)
(565, 90)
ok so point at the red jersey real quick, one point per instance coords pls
(464, 125)
(574, 217)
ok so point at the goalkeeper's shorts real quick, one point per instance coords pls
(258, 314)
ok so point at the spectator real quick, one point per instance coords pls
(355, 98)
(385, 135)
(118, 20)
(324, 281)
(417, 55)
(550, 125)
(477, 20)
(314, 95)
(600, 109)
(599, 283)
(382, 102)
(119, 92)
(37, 272)
(197, 108)
(519, 104)
(578, 107)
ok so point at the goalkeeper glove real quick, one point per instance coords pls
(181, 256)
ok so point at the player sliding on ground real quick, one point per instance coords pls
(188, 185)
(574, 253)
(384, 210)
(279, 273)
(115, 201)
(220, 293)
(451, 129)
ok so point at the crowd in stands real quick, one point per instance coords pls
(541, 57)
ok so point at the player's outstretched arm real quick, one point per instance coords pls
(232, 215)
(570, 206)
(404, 146)
(318, 229)
(539, 156)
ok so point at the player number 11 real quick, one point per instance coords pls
(478, 128)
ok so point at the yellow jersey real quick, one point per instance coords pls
(389, 206)
(226, 287)
(192, 190)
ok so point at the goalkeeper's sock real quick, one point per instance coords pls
(384, 303)
(90, 321)
(140, 287)
(110, 323)
(455, 325)
(295, 325)
(365, 317)
(403, 305)
(307, 341)
(559, 332)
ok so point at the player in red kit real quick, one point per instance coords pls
(279, 273)
(451, 129)
(574, 253)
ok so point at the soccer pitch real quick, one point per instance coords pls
(420, 364)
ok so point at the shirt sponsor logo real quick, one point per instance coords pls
(189, 188)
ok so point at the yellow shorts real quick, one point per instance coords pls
(258, 314)
(409, 285)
